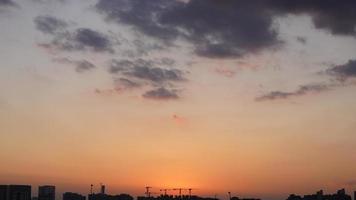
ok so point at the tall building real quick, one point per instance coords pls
(15, 192)
(3, 192)
(46, 192)
(72, 196)
(339, 195)
(355, 195)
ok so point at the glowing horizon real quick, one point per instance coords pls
(255, 98)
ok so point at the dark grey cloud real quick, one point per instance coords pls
(340, 75)
(49, 25)
(338, 17)
(7, 3)
(118, 66)
(302, 40)
(84, 65)
(49, 1)
(228, 28)
(80, 65)
(82, 39)
(86, 37)
(344, 71)
(155, 73)
(140, 14)
(72, 40)
(216, 28)
(161, 94)
(302, 90)
(148, 70)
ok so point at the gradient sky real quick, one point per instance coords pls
(253, 97)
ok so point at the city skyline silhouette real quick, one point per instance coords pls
(48, 192)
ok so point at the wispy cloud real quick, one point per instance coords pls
(146, 70)
(81, 39)
(155, 73)
(161, 94)
(302, 90)
(49, 24)
(81, 65)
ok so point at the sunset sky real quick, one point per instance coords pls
(253, 97)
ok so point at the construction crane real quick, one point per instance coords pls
(165, 191)
(180, 191)
(190, 192)
(148, 193)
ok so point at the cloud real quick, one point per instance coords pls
(302, 90)
(80, 39)
(127, 83)
(108, 92)
(338, 17)
(140, 14)
(49, 1)
(217, 29)
(49, 25)
(302, 40)
(228, 28)
(7, 3)
(344, 71)
(148, 70)
(342, 74)
(86, 37)
(161, 94)
(81, 65)
(155, 73)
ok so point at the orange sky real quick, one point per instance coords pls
(72, 129)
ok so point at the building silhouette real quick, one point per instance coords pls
(73, 196)
(237, 198)
(103, 196)
(175, 197)
(15, 192)
(3, 192)
(339, 195)
(46, 192)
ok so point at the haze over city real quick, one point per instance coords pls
(256, 97)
